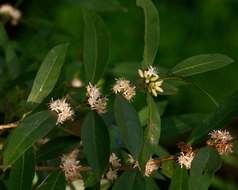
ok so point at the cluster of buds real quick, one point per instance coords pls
(152, 80)
(222, 141)
(151, 166)
(11, 12)
(63, 110)
(71, 166)
(115, 164)
(186, 156)
(96, 100)
(125, 88)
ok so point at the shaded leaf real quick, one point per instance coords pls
(226, 113)
(206, 162)
(96, 46)
(48, 74)
(130, 180)
(200, 64)
(55, 148)
(151, 184)
(129, 126)
(26, 134)
(101, 5)
(152, 31)
(96, 143)
(22, 172)
(179, 180)
(175, 128)
(54, 181)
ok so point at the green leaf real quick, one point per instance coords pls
(206, 162)
(26, 134)
(101, 5)
(152, 31)
(225, 114)
(129, 126)
(201, 64)
(56, 148)
(143, 113)
(54, 181)
(130, 180)
(151, 184)
(179, 180)
(96, 143)
(152, 131)
(3, 36)
(48, 74)
(96, 46)
(174, 128)
(22, 172)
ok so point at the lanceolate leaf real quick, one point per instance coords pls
(55, 181)
(225, 114)
(152, 131)
(22, 172)
(96, 143)
(152, 31)
(129, 125)
(96, 46)
(130, 180)
(26, 134)
(201, 64)
(205, 164)
(179, 180)
(48, 74)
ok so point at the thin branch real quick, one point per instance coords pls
(9, 126)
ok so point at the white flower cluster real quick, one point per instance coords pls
(11, 12)
(71, 166)
(222, 141)
(114, 167)
(152, 80)
(185, 159)
(63, 110)
(125, 88)
(96, 100)
(151, 166)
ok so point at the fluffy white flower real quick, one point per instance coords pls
(221, 135)
(63, 110)
(150, 167)
(12, 12)
(222, 141)
(114, 161)
(95, 99)
(125, 88)
(186, 159)
(71, 166)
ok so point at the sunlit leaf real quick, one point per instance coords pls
(152, 31)
(26, 134)
(48, 74)
(201, 64)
